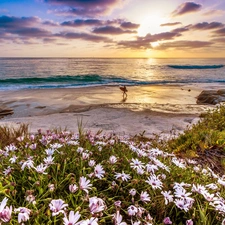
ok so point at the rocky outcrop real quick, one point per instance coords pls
(212, 97)
(4, 111)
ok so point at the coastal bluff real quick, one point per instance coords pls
(211, 97)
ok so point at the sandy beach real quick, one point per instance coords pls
(153, 109)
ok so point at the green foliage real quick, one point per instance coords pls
(19, 185)
(207, 133)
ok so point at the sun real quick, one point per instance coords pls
(151, 24)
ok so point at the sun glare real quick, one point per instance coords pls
(151, 24)
(155, 44)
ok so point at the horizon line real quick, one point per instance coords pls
(89, 57)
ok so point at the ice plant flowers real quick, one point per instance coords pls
(84, 184)
(112, 159)
(91, 221)
(144, 197)
(24, 214)
(5, 211)
(41, 168)
(123, 176)
(29, 164)
(99, 171)
(3, 204)
(184, 204)
(154, 181)
(167, 196)
(96, 205)
(132, 210)
(57, 206)
(136, 164)
(13, 159)
(167, 221)
(189, 222)
(5, 215)
(73, 188)
(73, 218)
(118, 219)
(132, 192)
(49, 160)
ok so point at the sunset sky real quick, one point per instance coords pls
(112, 28)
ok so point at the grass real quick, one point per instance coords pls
(57, 177)
(208, 132)
(9, 135)
(204, 141)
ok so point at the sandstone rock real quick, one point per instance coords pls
(212, 97)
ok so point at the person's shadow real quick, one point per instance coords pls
(124, 98)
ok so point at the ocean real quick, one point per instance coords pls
(38, 73)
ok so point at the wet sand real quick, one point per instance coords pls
(153, 109)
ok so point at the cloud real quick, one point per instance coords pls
(81, 22)
(163, 36)
(49, 40)
(180, 45)
(170, 24)
(111, 30)
(187, 7)
(200, 26)
(145, 42)
(27, 29)
(96, 22)
(11, 22)
(85, 12)
(207, 26)
(219, 40)
(84, 7)
(181, 29)
(22, 27)
(82, 36)
(129, 25)
(219, 32)
(2, 35)
(14, 22)
(50, 23)
(214, 12)
(135, 44)
(31, 32)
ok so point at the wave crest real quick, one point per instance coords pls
(66, 81)
(202, 67)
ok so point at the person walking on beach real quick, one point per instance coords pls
(124, 90)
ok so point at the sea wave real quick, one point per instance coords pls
(90, 80)
(66, 81)
(202, 67)
(54, 79)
